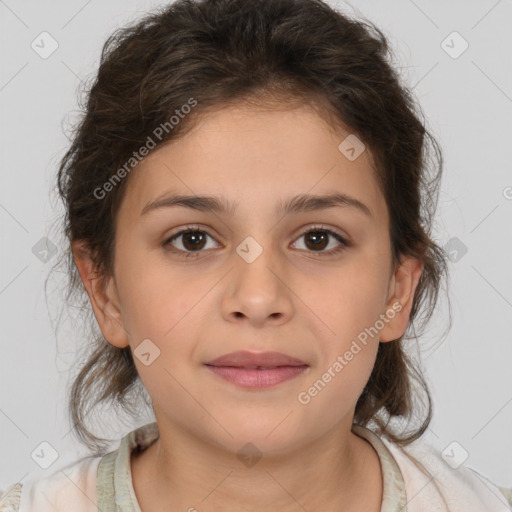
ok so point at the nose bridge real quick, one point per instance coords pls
(254, 262)
(256, 284)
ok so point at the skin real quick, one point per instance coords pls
(290, 299)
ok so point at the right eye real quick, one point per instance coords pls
(192, 241)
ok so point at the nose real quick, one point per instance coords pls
(257, 292)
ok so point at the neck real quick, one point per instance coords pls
(339, 471)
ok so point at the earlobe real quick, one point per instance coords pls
(402, 287)
(103, 296)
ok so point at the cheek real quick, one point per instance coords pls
(156, 299)
(347, 301)
(163, 311)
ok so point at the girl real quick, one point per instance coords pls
(249, 210)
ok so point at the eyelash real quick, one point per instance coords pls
(313, 229)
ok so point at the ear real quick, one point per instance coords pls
(400, 298)
(102, 292)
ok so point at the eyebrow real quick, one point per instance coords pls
(296, 204)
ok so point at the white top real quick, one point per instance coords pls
(105, 483)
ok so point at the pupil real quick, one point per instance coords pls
(195, 235)
(316, 236)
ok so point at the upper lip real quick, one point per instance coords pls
(244, 358)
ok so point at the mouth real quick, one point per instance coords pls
(256, 370)
(257, 377)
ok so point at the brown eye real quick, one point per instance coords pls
(192, 241)
(317, 239)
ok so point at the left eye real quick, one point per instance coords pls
(318, 238)
(194, 241)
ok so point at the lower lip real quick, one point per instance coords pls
(254, 378)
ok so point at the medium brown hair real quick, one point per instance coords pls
(219, 52)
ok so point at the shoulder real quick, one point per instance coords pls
(434, 477)
(84, 484)
(507, 492)
(72, 487)
(10, 498)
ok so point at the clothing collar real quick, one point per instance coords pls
(115, 484)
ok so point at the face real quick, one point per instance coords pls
(314, 284)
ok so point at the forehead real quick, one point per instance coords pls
(256, 158)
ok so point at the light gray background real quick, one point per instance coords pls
(468, 104)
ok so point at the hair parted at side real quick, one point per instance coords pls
(260, 51)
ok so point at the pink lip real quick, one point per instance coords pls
(244, 358)
(273, 368)
(247, 378)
